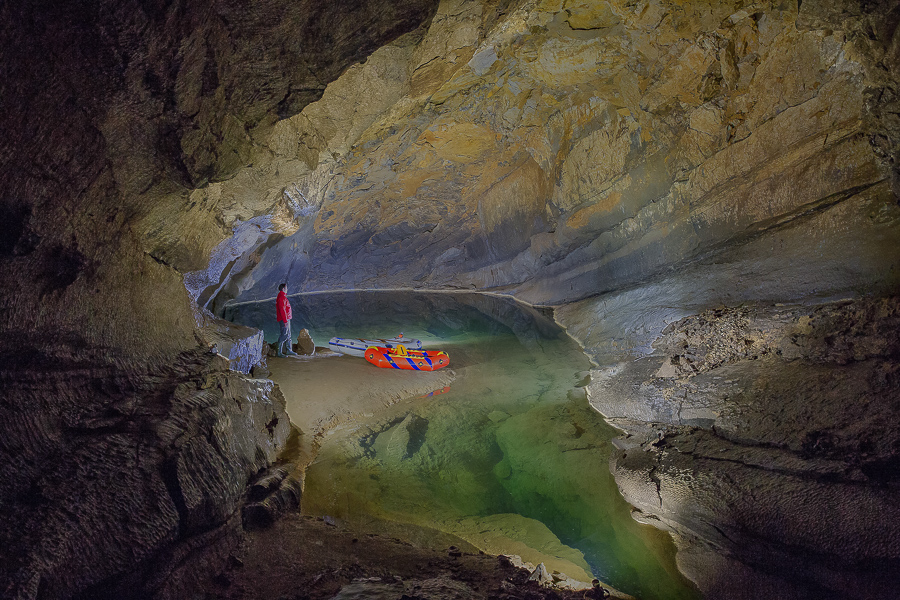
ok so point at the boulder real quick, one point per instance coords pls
(243, 346)
(305, 343)
(541, 575)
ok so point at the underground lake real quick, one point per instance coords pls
(508, 457)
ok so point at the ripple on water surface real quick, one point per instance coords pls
(507, 459)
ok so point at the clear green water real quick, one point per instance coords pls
(511, 458)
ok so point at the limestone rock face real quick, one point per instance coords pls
(765, 435)
(118, 122)
(558, 153)
(117, 119)
(636, 163)
(107, 485)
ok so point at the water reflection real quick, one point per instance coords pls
(433, 316)
(505, 458)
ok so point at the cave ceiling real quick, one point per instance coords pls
(633, 163)
(552, 150)
(560, 150)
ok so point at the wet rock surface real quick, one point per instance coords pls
(123, 436)
(305, 557)
(157, 456)
(640, 163)
(763, 437)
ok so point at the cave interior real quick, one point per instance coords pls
(706, 194)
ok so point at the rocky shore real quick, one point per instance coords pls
(635, 164)
(302, 557)
(763, 438)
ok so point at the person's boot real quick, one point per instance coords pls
(279, 353)
(289, 351)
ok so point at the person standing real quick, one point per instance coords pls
(283, 311)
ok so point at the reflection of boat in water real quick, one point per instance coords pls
(401, 358)
(443, 390)
(357, 346)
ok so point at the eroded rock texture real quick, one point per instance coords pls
(764, 437)
(120, 437)
(642, 163)
(561, 150)
(107, 463)
(635, 163)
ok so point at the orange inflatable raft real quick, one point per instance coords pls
(401, 358)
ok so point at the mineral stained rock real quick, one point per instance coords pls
(561, 152)
(635, 163)
(122, 434)
(764, 435)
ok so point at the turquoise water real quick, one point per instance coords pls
(510, 458)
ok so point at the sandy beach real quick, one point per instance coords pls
(328, 390)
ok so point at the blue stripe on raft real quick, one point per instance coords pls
(367, 343)
(391, 361)
(344, 345)
(413, 364)
(414, 344)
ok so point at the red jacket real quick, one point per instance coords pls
(283, 308)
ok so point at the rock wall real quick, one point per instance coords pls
(561, 150)
(122, 437)
(116, 120)
(763, 437)
(93, 489)
(640, 164)
(637, 163)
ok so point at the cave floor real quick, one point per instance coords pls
(328, 389)
(302, 557)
